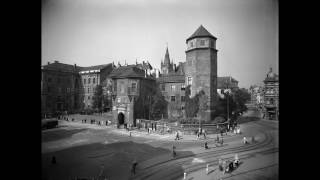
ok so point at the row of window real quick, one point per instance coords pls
(68, 90)
(89, 81)
(59, 80)
(131, 89)
(173, 98)
(172, 87)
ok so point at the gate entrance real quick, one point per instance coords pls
(120, 118)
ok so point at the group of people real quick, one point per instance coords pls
(201, 132)
(228, 166)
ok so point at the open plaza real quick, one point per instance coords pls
(92, 151)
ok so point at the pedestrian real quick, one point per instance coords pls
(244, 140)
(134, 165)
(206, 145)
(177, 136)
(236, 160)
(217, 139)
(53, 160)
(220, 165)
(174, 151)
(204, 134)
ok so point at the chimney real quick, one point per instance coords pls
(48, 62)
(56, 61)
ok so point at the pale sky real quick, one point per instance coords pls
(93, 32)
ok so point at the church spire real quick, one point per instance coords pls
(166, 57)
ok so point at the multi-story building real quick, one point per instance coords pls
(70, 88)
(271, 96)
(60, 87)
(131, 95)
(90, 78)
(172, 86)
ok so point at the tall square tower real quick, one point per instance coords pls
(201, 68)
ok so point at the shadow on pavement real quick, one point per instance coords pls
(59, 134)
(114, 160)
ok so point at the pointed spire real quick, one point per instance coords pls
(166, 57)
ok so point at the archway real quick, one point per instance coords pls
(120, 118)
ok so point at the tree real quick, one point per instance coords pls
(194, 104)
(98, 98)
(158, 104)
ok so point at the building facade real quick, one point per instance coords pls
(60, 87)
(90, 78)
(132, 91)
(201, 68)
(271, 96)
(70, 88)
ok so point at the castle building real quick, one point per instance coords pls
(172, 86)
(132, 91)
(201, 68)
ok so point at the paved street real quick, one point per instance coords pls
(81, 150)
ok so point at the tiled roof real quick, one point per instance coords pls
(127, 71)
(57, 66)
(201, 32)
(98, 67)
(171, 78)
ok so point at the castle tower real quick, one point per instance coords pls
(201, 68)
(166, 66)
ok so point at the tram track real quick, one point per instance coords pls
(165, 167)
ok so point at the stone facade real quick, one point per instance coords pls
(201, 68)
(132, 89)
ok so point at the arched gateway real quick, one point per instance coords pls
(120, 118)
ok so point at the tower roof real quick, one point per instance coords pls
(166, 57)
(201, 32)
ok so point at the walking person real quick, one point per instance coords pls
(134, 165)
(206, 145)
(174, 151)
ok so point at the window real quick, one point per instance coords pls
(201, 42)
(89, 81)
(134, 87)
(182, 98)
(94, 80)
(183, 87)
(173, 87)
(182, 107)
(191, 44)
(163, 87)
(88, 90)
(88, 97)
(84, 81)
(173, 98)
(189, 80)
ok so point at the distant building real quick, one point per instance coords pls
(271, 96)
(226, 83)
(90, 78)
(132, 90)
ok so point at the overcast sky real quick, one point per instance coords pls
(93, 32)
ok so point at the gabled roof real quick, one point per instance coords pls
(201, 32)
(129, 71)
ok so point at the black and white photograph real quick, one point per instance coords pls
(159, 89)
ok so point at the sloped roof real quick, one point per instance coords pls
(201, 32)
(57, 66)
(98, 67)
(127, 71)
(171, 78)
(222, 81)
